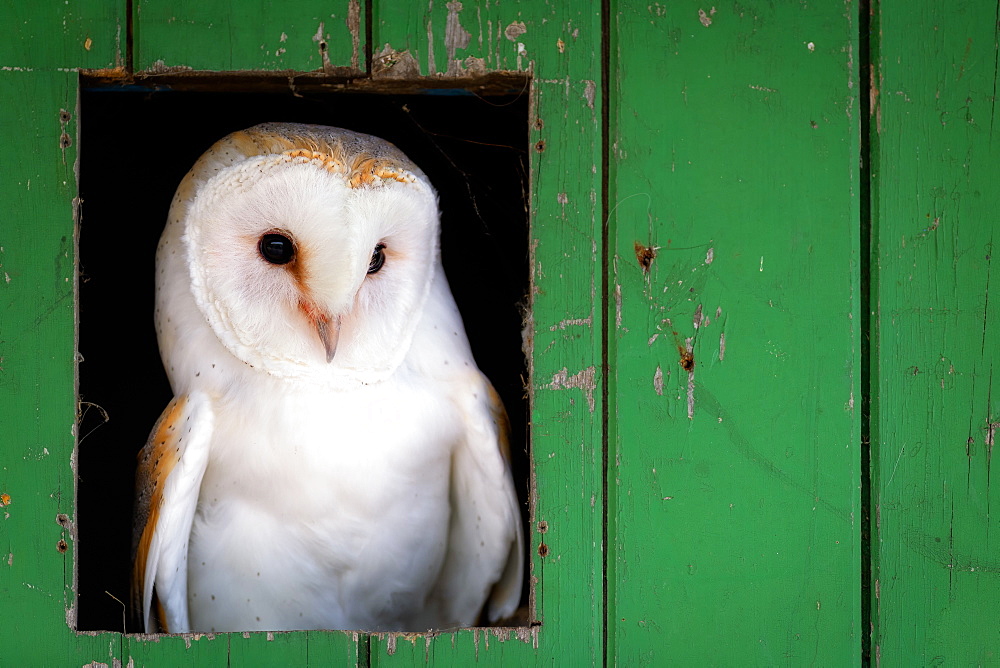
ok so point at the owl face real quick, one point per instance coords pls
(311, 260)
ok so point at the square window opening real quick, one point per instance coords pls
(136, 144)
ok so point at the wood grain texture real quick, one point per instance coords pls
(735, 352)
(936, 135)
(258, 35)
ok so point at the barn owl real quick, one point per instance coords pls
(332, 457)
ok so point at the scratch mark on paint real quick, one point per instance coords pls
(763, 88)
(895, 466)
(762, 263)
(965, 58)
(618, 306)
(722, 346)
(874, 108)
(941, 551)
(707, 402)
(687, 361)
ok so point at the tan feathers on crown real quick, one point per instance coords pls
(359, 169)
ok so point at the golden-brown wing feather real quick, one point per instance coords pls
(506, 593)
(155, 462)
(169, 472)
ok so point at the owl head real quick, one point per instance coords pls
(306, 249)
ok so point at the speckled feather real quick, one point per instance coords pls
(346, 467)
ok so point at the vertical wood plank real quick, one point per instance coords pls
(43, 46)
(936, 416)
(37, 374)
(735, 349)
(256, 35)
(561, 47)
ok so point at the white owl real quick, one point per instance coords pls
(332, 457)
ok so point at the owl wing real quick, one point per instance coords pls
(170, 469)
(485, 550)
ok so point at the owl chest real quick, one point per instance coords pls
(322, 510)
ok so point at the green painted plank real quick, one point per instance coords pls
(68, 34)
(565, 321)
(259, 35)
(735, 481)
(37, 375)
(935, 413)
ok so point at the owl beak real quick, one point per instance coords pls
(329, 334)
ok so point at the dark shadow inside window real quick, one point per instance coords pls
(137, 143)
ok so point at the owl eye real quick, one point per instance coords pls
(276, 248)
(378, 259)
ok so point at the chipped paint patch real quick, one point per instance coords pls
(584, 380)
(991, 429)
(645, 255)
(618, 306)
(705, 18)
(324, 52)
(515, 30)
(568, 322)
(354, 26)
(589, 92)
(722, 346)
(391, 64)
(658, 381)
(455, 37)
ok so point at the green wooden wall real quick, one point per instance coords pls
(762, 239)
